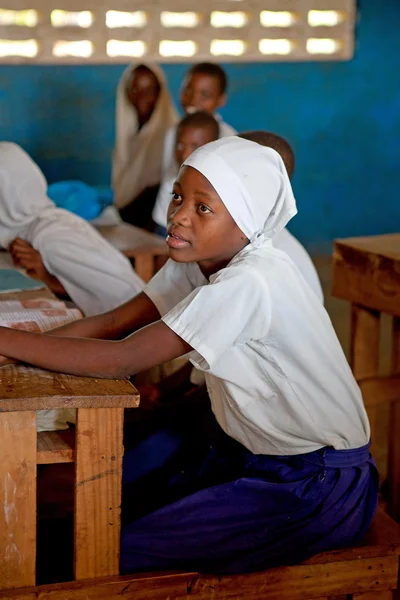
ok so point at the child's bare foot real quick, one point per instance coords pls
(25, 256)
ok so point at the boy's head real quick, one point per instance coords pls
(194, 131)
(143, 89)
(277, 143)
(204, 88)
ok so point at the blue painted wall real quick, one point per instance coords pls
(343, 120)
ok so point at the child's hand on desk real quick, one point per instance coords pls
(4, 361)
(25, 256)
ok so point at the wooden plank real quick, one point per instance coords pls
(284, 583)
(394, 428)
(132, 240)
(55, 446)
(18, 499)
(99, 451)
(28, 388)
(380, 390)
(364, 355)
(388, 595)
(366, 271)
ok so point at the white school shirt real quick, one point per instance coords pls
(286, 242)
(277, 377)
(169, 168)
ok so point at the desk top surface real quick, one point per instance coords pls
(131, 239)
(387, 245)
(29, 388)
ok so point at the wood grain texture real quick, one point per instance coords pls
(18, 499)
(133, 241)
(366, 271)
(98, 463)
(55, 446)
(28, 388)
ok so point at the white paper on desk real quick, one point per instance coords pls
(31, 304)
(39, 320)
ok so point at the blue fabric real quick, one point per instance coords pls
(232, 511)
(79, 198)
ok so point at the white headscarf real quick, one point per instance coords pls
(251, 181)
(95, 275)
(138, 153)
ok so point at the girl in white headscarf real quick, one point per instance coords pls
(289, 471)
(144, 114)
(94, 274)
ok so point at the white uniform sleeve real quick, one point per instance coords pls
(172, 283)
(232, 310)
(159, 214)
(168, 158)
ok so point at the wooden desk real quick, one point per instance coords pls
(97, 450)
(95, 445)
(148, 250)
(366, 272)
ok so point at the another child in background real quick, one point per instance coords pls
(204, 89)
(290, 473)
(192, 131)
(144, 114)
(284, 240)
(56, 246)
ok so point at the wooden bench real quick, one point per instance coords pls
(366, 572)
(97, 450)
(148, 251)
(366, 272)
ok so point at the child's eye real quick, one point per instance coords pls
(204, 209)
(175, 197)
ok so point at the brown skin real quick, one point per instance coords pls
(143, 92)
(202, 92)
(188, 139)
(212, 240)
(25, 256)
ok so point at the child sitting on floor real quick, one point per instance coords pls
(290, 473)
(193, 131)
(284, 240)
(204, 89)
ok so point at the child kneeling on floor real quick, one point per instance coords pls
(290, 474)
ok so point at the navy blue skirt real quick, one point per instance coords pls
(230, 511)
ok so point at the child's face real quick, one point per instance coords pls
(143, 93)
(188, 139)
(200, 228)
(201, 92)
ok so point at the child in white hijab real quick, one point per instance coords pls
(93, 273)
(290, 473)
(144, 113)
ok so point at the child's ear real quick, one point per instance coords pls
(222, 101)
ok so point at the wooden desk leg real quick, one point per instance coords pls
(364, 352)
(144, 266)
(394, 431)
(98, 480)
(18, 499)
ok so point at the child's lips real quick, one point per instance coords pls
(174, 240)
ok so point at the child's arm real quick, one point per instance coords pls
(114, 324)
(150, 346)
(24, 255)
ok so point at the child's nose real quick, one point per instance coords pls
(181, 215)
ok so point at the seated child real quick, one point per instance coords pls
(193, 131)
(144, 114)
(290, 473)
(203, 89)
(56, 246)
(284, 240)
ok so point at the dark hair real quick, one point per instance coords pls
(276, 142)
(200, 119)
(212, 69)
